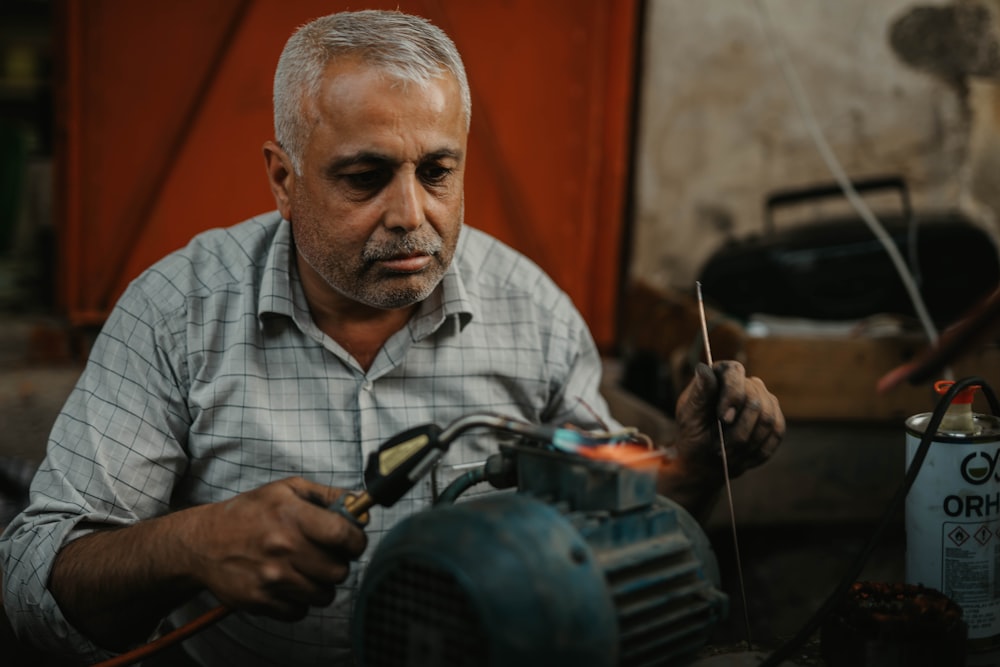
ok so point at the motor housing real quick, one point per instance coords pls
(584, 564)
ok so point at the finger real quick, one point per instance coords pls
(749, 427)
(313, 591)
(308, 578)
(776, 434)
(333, 533)
(746, 422)
(771, 421)
(770, 446)
(291, 561)
(702, 390)
(760, 400)
(283, 594)
(757, 456)
(754, 454)
(323, 565)
(747, 398)
(732, 390)
(767, 434)
(326, 528)
(283, 607)
(317, 494)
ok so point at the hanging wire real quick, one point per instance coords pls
(776, 44)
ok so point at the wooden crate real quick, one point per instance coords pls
(834, 378)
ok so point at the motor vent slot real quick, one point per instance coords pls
(420, 616)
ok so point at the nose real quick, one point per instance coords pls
(405, 210)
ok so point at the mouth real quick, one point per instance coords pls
(413, 263)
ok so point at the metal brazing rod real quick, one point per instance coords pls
(725, 472)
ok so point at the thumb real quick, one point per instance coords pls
(703, 390)
(318, 494)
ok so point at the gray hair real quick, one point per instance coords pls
(407, 47)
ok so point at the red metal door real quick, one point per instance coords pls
(164, 106)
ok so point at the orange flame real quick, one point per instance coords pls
(633, 456)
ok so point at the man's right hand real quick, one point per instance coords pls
(276, 550)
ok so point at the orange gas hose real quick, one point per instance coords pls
(172, 637)
(356, 505)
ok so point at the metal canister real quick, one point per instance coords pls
(953, 514)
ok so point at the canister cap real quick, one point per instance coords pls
(964, 396)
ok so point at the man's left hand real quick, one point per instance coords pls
(752, 421)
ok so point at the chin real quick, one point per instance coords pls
(394, 299)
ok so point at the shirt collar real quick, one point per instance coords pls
(280, 292)
(449, 299)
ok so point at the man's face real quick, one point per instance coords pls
(377, 206)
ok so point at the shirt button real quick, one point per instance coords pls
(367, 386)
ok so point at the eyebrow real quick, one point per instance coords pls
(372, 157)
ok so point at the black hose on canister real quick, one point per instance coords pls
(785, 651)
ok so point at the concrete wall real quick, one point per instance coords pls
(896, 87)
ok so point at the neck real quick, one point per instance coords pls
(363, 337)
(360, 329)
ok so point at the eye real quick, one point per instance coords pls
(434, 174)
(368, 180)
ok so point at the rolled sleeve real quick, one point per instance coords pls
(28, 551)
(114, 456)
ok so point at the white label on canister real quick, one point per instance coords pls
(953, 528)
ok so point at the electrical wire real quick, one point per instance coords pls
(776, 44)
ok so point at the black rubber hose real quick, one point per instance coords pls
(462, 484)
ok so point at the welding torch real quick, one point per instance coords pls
(400, 462)
(392, 470)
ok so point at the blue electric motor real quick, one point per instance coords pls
(583, 565)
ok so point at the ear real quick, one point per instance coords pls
(281, 177)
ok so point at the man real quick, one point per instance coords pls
(240, 383)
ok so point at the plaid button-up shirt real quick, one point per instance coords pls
(210, 379)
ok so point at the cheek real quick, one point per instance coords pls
(334, 221)
(450, 208)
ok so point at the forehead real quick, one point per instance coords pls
(362, 107)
